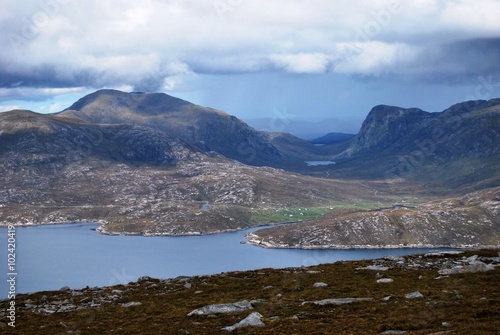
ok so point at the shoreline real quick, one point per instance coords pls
(254, 240)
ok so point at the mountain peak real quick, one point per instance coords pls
(386, 125)
(114, 101)
(206, 128)
(458, 131)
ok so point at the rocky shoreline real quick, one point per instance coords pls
(256, 240)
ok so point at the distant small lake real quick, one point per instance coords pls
(74, 255)
(318, 163)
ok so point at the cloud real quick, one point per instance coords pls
(373, 58)
(302, 62)
(5, 108)
(458, 62)
(164, 45)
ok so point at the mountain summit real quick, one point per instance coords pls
(466, 128)
(456, 147)
(206, 128)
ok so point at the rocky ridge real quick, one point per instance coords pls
(469, 221)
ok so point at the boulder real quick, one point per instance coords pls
(234, 307)
(338, 301)
(385, 280)
(253, 320)
(414, 295)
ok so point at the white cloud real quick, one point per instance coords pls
(373, 58)
(302, 62)
(55, 107)
(5, 108)
(477, 16)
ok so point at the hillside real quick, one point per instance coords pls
(206, 128)
(464, 129)
(471, 220)
(55, 168)
(400, 295)
(301, 150)
(457, 148)
(331, 138)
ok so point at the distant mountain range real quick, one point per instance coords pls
(304, 129)
(154, 164)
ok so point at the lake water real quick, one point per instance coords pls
(74, 255)
(319, 163)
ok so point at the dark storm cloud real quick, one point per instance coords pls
(459, 62)
(163, 45)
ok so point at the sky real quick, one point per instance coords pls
(307, 60)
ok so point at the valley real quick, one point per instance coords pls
(152, 164)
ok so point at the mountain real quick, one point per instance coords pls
(147, 164)
(464, 129)
(457, 148)
(301, 150)
(331, 138)
(206, 128)
(41, 140)
(304, 129)
(470, 220)
(140, 180)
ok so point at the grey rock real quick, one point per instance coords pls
(473, 267)
(130, 304)
(253, 320)
(443, 253)
(66, 308)
(385, 280)
(320, 284)
(374, 268)
(472, 258)
(390, 332)
(234, 307)
(338, 301)
(387, 298)
(414, 295)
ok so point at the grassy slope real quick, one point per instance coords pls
(470, 303)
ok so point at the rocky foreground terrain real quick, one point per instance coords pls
(442, 292)
(467, 221)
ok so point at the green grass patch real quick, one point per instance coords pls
(274, 215)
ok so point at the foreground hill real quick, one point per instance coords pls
(57, 168)
(206, 128)
(401, 295)
(470, 220)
